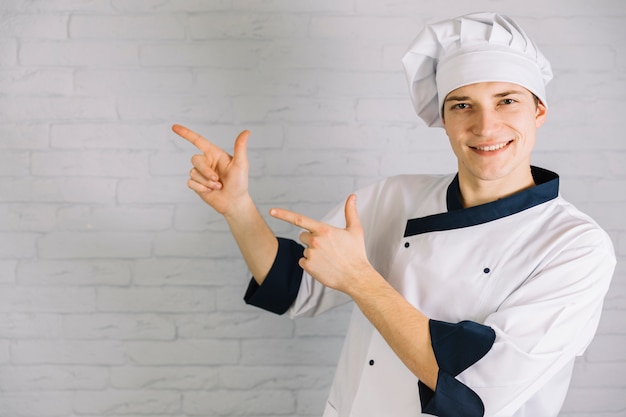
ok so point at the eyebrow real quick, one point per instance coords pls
(498, 95)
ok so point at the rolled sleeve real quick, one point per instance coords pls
(280, 287)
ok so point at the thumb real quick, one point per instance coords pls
(352, 216)
(240, 154)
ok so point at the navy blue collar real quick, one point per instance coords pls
(546, 189)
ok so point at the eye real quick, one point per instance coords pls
(508, 101)
(460, 106)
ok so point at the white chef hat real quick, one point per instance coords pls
(479, 47)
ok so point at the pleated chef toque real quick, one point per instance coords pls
(479, 47)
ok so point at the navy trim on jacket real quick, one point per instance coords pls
(280, 287)
(457, 347)
(457, 217)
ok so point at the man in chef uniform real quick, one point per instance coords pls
(474, 292)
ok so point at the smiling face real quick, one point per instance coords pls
(492, 130)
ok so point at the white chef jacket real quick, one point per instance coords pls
(530, 270)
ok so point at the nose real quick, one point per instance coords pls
(485, 122)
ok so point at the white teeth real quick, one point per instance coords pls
(492, 147)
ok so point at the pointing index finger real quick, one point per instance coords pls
(294, 218)
(194, 138)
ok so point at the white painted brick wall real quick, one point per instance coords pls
(120, 292)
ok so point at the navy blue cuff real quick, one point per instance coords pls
(280, 287)
(450, 399)
(457, 347)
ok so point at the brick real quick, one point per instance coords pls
(198, 218)
(273, 377)
(187, 271)
(73, 272)
(579, 30)
(241, 325)
(126, 402)
(164, 377)
(184, 352)
(215, 54)
(23, 108)
(572, 85)
(280, 190)
(71, 245)
(79, 54)
(27, 135)
(7, 271)
(118, 327)
(36, 404)
(309, 6)
(293, 110)
(592, 58)
(262, 136)
(45, 299)
(36, 81)
(195, 245)
(52, 377)
(17, 245)
(159, 6)
(155, 190)
(161, 300)
(168, 108)
(132, 136)
(8, 53)
(85, 163)
(290, 352)
(325, 54)
(321, 163)
(36, 6)
(374, 29)
(230, 299)
(386, 110)
(34, 26)
(76, 352)
(30, 326)
(27, 218)
(14, 163)
(5, 354)
(121, 219)
(247, 26)
(132, 81)
(239, 403)
(149, 27)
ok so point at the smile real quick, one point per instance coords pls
(492, 147)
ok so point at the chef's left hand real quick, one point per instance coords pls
(333, 256)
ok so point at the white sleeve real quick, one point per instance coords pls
(314, 298)
(544, 325)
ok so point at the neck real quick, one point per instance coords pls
(476, 191)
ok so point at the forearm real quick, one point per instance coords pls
(403, 327)
(256, 241)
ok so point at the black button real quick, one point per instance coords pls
(407, 244)
(371, 362)
(486, 270)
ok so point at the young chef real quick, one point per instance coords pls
(474, 292)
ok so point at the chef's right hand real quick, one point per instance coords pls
(221, 180)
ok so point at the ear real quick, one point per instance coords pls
(541, 114)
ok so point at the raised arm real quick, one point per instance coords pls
(221, 180)
(337, 258)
